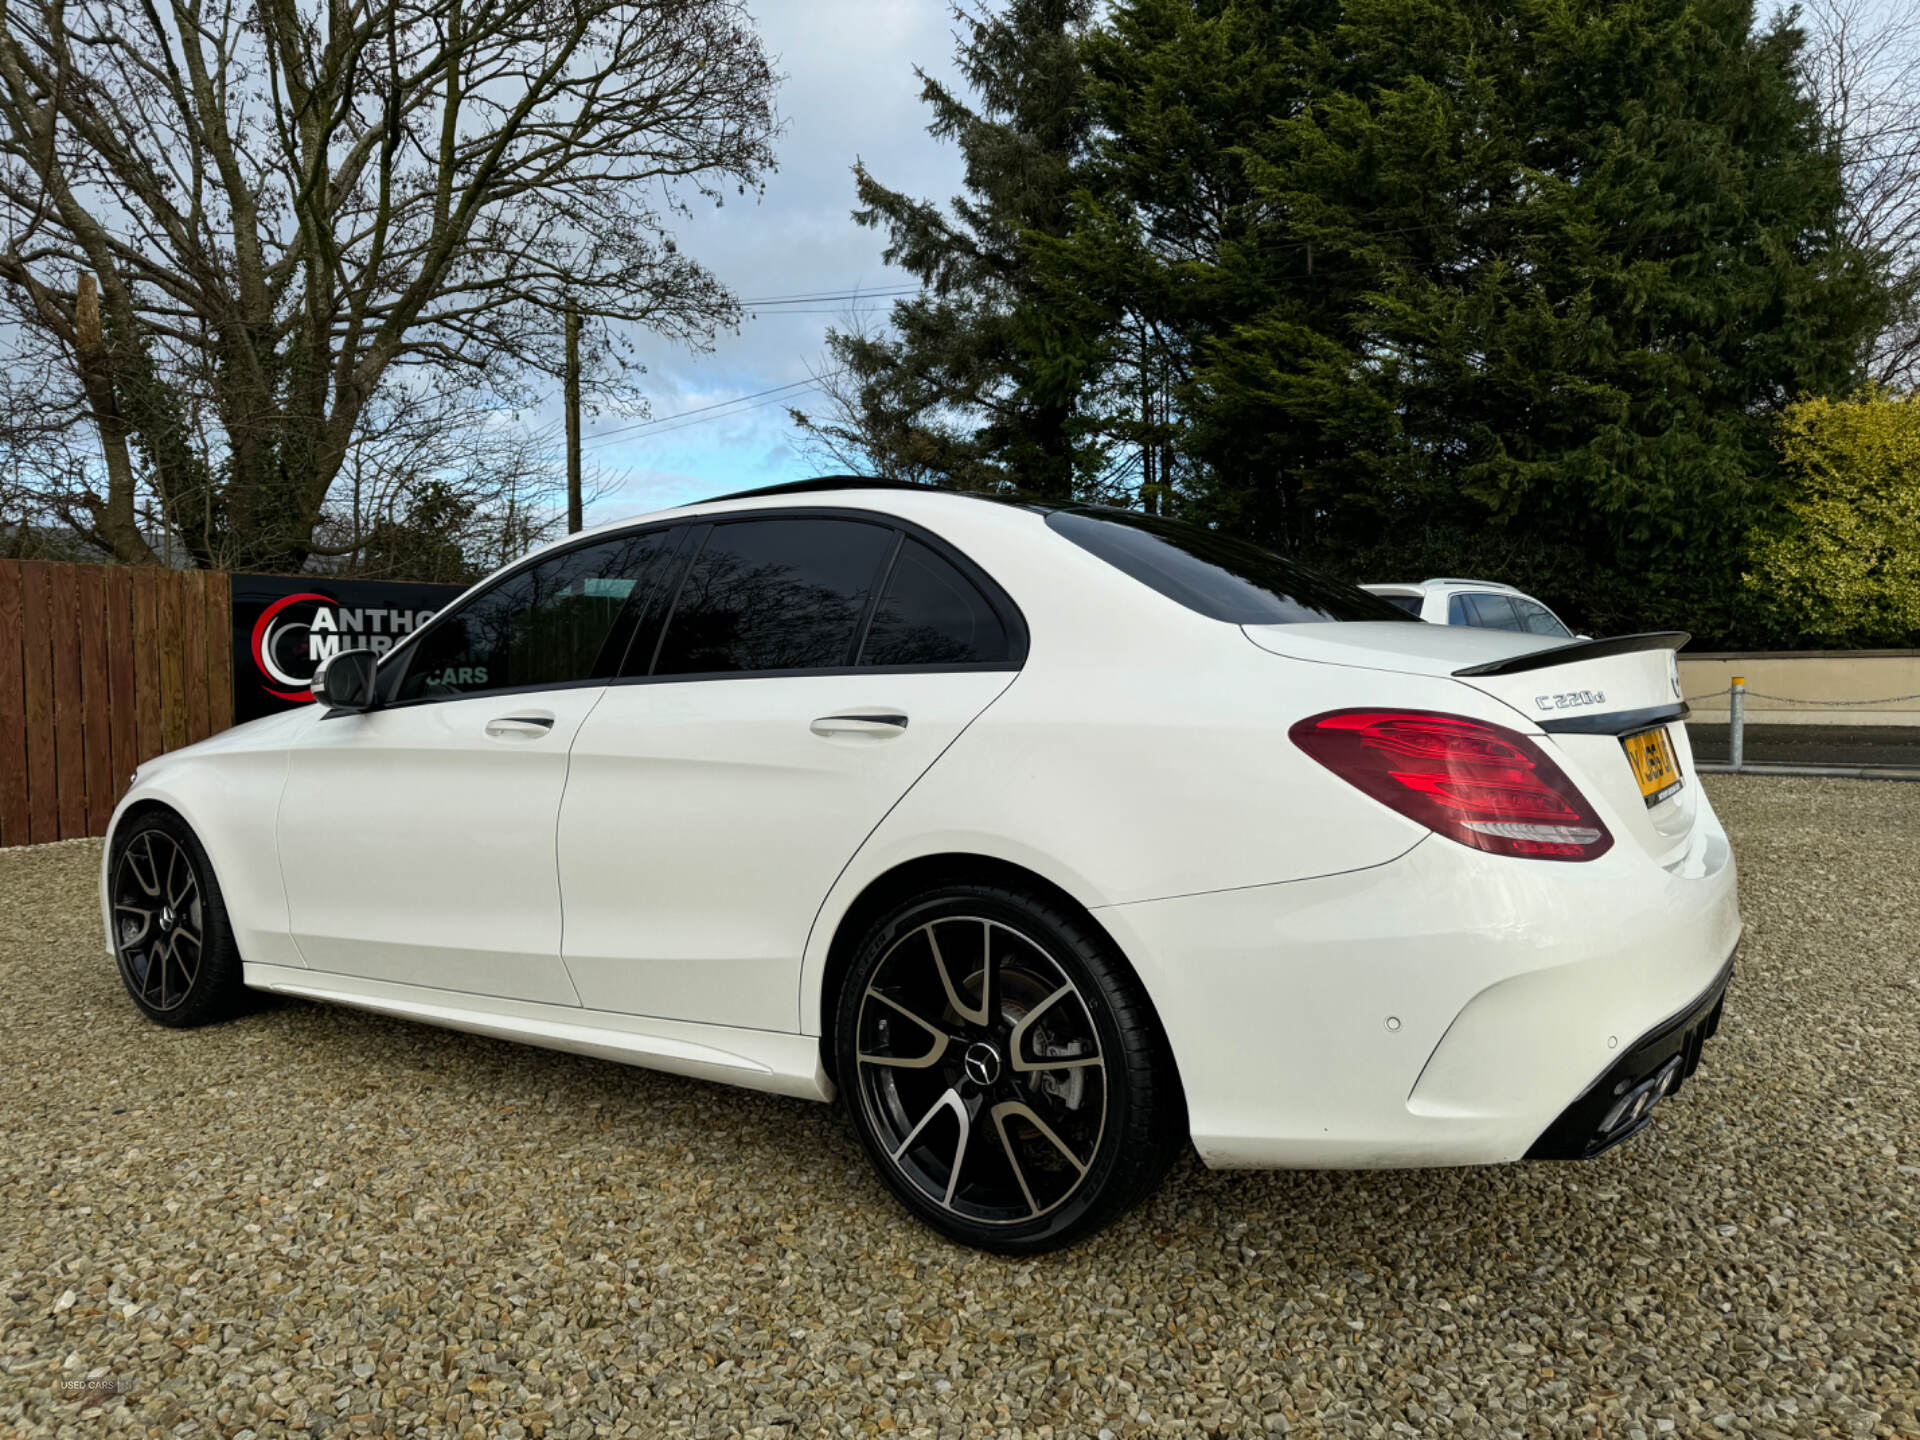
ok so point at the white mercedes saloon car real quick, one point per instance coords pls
(1487, 604)
(1048, 838)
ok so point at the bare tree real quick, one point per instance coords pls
(49, 454)
(237, 220)
(1863, 62)
(437, 488)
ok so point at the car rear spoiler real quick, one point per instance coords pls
(1579, 650)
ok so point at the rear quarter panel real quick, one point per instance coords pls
(1142, 753)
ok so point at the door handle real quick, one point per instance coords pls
(873, 725)
(519, 727)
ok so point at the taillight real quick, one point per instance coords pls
(1483, 785)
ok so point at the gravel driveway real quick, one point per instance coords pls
(325, 1222)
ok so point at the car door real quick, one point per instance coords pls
(417, 839)
(809, 669)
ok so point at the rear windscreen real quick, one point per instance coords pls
(1223, 578)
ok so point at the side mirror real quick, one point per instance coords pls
(344, 681)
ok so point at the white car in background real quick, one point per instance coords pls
(1048, 838)
(1483, 604)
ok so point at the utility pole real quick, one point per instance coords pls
(574, 520)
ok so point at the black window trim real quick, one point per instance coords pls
(685, 552)
(651, 626)
(882, 578)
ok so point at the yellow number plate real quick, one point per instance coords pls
(1651, 755)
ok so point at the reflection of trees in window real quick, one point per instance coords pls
(899, 644)
(768, 617)
(931, 615)
(774, 595)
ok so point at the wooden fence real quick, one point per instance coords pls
(101, 667)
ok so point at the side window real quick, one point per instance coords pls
(931, 614)
(1457, 612)
(774, 595)
(556, 621)
(1539, 620)
(1408, 603)
(1492, 612)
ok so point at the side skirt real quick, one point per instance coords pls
(755, 1059)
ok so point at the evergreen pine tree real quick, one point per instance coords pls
(1459, 283)
(978, 384)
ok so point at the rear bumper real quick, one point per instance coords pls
(1446, 1008)
(1619, 1105)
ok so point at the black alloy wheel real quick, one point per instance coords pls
(1004, 1070)
(170, 933)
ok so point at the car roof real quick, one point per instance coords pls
(867, 491)
(1421, 587)
(827, 483)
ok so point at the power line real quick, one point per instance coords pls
(740, 404)
(700, 415)
(824, 295)
(743, 410)
(835, 310)
(728, 415)
(717, 405)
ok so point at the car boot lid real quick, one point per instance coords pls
(1587, 685)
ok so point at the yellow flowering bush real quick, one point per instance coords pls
(1845, 568)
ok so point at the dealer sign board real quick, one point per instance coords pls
(285, 625)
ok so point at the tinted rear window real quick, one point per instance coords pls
(774, 595)
(1217, 575)
(931, 614)
(1408, 603)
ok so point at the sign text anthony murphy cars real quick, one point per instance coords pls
(285, 625)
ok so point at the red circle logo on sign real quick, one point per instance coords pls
(273, 625)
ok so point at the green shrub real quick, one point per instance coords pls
(1842, 566)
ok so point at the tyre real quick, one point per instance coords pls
(1004, 1069)
(171, 937)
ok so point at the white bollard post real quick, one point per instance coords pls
(1736, 722)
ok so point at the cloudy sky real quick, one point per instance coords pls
(849, 91)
